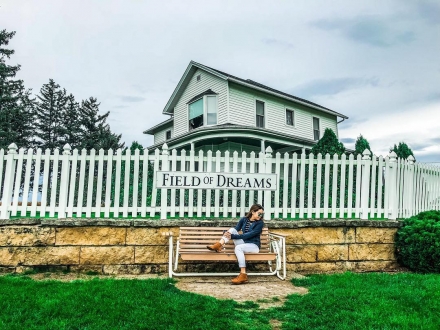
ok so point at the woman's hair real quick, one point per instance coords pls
(254, 208)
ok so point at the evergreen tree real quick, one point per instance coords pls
(328, 144)
(360, 146)
(71, 123)
(402, 150)
(50, 109)
(16, 104)
(96, 132)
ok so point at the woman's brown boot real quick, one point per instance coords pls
(240, 279)
(217, 247)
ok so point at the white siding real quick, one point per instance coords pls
(207, 81)
(242, 112)
(160, 136)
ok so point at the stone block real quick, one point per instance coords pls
(301, 253)
(371, 252)
(90, 236)
(7, 270)
(123, 269)
(377, 266)
(151, 254)
(106, 255)
(34, 256)
(149, 236)
(332, 252)
(375, 235)
(26, 236)
(318, 235)
(86, 268)
(320, 267)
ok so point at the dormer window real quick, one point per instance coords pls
(202, 110)
(168, 135)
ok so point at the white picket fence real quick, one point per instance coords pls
(113, 184)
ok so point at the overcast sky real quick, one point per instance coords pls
(377, 62)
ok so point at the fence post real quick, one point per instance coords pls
(365, 183)
(410, 193)
(390, 186)
(267, 193)
(164, 192)
(64, 181)
(9, 181)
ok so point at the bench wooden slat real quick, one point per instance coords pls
(227, 256)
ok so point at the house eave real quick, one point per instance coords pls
(154, 129)
(286, 97)
(204, 131)
(192, 67)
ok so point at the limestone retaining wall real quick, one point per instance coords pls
(139, 246)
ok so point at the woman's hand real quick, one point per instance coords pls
(227, 235)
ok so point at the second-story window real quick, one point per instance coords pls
(203, 111)
(316, 129)
(168, 135)
(289, 117)
(196, 114)
(260, 113)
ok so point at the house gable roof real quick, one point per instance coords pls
(192, 68)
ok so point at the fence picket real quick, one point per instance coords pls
(350, 187)
(318, 186)
(44, 190)
(191, 191)
(379, 187)
(310, 186)
(276, 209)
(117, 201)
(145, 163)
(208, 191)
(358, 186)
(285, 184)
(294, 184)
(27, 179)
(242, 192)
(225, 191)
(217, 191)
(173, 202)
(373, 209)
(251, 170)
(302, 172)
(326, 184)
(98, 202)
(181, 190)
(334, 185)
(108, 184)
(90, 183)
(234, 207)
(72, 183)
(36, 182)
(199, 191)
(17, 182)
(135, 196)
(342, 190)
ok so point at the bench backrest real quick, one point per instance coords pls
(197, 238)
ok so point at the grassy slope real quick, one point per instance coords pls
(340, 301)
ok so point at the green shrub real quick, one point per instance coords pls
(418, 242)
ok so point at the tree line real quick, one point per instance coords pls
(50, 119)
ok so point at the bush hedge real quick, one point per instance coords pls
(418, 242)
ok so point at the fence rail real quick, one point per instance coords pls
(116, 184)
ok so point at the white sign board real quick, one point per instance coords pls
(203, 180)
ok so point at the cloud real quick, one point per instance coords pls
(120, 106)
(131, 98)
(333, 86)
(348, 140)
(429, 11)
(368, 30)
(273, 41)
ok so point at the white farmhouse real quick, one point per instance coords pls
(213, 110)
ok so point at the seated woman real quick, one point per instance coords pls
(251, 227)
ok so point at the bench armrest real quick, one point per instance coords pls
(279, 235)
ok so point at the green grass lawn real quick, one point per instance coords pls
(340, 301)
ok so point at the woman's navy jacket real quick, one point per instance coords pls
(253, 234)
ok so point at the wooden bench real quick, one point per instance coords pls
(192, 241)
